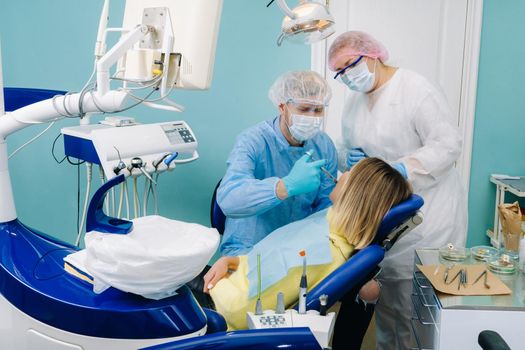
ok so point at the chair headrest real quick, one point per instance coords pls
(397, 215)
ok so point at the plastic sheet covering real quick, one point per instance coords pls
(156, 258)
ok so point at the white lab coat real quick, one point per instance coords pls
(408, 120)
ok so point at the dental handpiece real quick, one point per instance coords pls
(138, 164)
(303, 285)
(323, 169)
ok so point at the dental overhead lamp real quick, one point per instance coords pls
(307, 23)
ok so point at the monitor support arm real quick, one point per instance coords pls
(117, 52)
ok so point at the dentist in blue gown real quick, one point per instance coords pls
(270, 181)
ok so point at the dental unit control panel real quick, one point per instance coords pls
(322, 326)
(115, 146)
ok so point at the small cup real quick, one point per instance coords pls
(452, 253)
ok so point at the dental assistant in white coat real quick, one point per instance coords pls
(399, 116)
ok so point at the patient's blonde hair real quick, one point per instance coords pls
(370, 190)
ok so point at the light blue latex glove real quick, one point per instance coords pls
(401, 168)
(304, 177)
(354, 156)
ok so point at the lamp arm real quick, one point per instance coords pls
(284, 7)
(100, 45)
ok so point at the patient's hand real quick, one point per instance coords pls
(222, 268)
(370, 291)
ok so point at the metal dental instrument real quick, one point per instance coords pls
(453, 279)
(462, 278)
(445, 275)
(121, 165)
(139, 164)
(483, 274)
(303, 285)
(258, 303)
(327, 173)
(323, 299)
(323, 169)
(280, 303)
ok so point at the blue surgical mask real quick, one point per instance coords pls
(359, 78)
(304, 127)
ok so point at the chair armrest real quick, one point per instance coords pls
(214, 321)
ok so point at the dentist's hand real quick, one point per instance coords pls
(304, 177)
(354, 156)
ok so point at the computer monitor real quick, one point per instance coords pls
(195, 28)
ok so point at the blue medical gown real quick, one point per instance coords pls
(261, 156)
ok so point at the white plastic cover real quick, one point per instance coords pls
(156, 258)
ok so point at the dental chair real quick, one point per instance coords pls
(355, 272)
(44, 307)
(52, 309)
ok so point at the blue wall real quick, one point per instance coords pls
(49, 44)
(499, 141)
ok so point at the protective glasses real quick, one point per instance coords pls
(351, 65)
(308, 106)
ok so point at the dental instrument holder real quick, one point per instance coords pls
(97, 220)
(108, 146)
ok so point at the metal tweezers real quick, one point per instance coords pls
(484, 273)
(445, 275)
(454, 278)
(463, 280)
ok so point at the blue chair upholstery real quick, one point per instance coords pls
(217, 217)
(261, 339)
(16, 98)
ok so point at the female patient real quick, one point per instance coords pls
(361, 199)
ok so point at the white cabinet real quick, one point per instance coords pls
(448, 322)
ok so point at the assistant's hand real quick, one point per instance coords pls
(400, 167)
(304, 177)
(354, 156)
(222, 268)
(370, 291)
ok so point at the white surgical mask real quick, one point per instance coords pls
(304, 127)
(359, 78)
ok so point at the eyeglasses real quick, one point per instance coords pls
(351, 65)
(308, 106)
